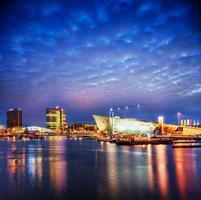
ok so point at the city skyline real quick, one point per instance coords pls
(129, 111)
(90, 56)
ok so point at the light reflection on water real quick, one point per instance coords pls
(186, 170)
(162, 170)
(61, 169)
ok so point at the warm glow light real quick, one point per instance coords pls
(162, 171)
(160, 119)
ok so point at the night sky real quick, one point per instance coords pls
(87, 56)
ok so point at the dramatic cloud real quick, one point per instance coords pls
(87, 56)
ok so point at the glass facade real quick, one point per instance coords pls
(14, 118)
(56, 118)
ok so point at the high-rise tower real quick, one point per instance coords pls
(14, 118)
(56, 118)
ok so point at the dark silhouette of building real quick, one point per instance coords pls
(14, 118)
(83, 127)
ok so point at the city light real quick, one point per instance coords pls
(160, 119)
(100, 99)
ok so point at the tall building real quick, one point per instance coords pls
(56, 118)
(179, 118)
(14, 118)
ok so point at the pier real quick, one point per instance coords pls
(175, 141)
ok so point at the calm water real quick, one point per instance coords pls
(69, 169)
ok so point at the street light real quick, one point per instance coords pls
(111, 115)
(113, 109)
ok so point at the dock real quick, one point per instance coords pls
(175, 141)
(187, 145)
(142, 141)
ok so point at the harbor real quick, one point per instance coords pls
(59, 166)
(100, 100)
(174, 141)
(113, 129)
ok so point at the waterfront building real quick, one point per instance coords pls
(83, 127)
(2, 129)
(35, 129)
(56, 119)
(191, 122)
(14, 118)
(160, 119)
(117, 125)
(161, 122)
(179, 117)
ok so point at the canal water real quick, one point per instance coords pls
(58, 168)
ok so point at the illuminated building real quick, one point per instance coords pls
(191, 122)
(161, 122)
(14, 118)
(38, 129)
(103, 123)
(124, 125)
(83, 127)
(2, 126)
(160, 119)
(179, 117)
(2, 129)
(56, 118)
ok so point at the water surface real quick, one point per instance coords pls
(72, 169)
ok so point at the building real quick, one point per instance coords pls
(56, 119)
(14, 118)
(179, 118)
(83, 127)
(2, 129)
(128, 126)
(37, 129)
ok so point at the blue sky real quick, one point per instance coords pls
(88, 56)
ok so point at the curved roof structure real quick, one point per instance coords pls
(37, 128)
